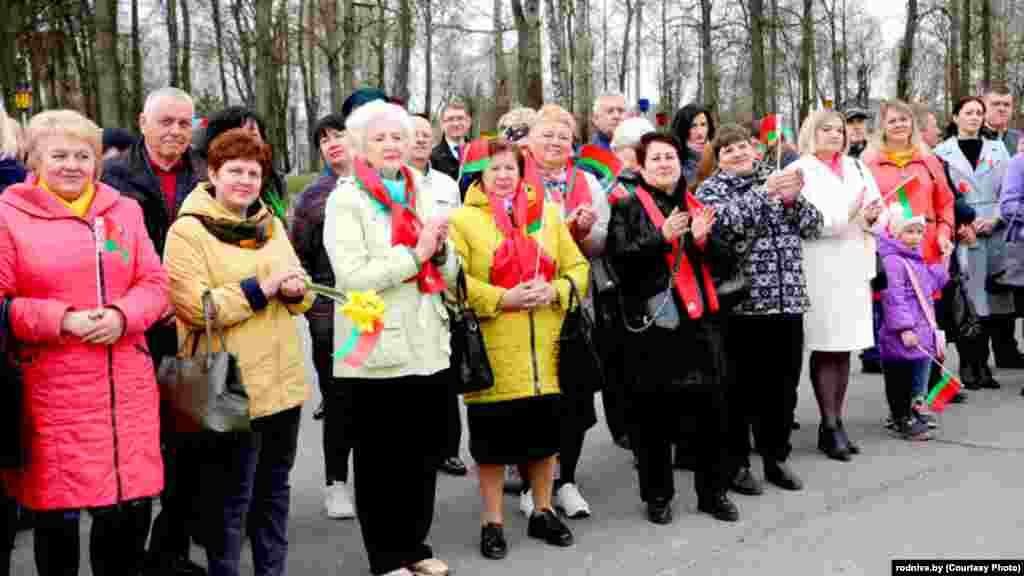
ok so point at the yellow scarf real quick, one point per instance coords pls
(79, 206)
(899, 157)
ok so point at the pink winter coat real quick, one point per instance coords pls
(91, 412)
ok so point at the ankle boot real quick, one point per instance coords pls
(831, 442)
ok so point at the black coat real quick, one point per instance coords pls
(637, 252)
(442, 160)
(132, 176)
(11, 450)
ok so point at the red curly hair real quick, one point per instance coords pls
(238, 144)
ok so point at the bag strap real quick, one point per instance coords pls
(929, 313)
(209, 319)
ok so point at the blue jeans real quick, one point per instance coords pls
(919, 385)
(249, 480)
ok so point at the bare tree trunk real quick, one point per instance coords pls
(757, 73)
(348, 50)
(109, 75)
(556, 43)
(965, 50)
(137, 86)
(986, 40)
(907, 52)
(604, 45)
(502, 90)
(531, 82)
(806, 54)
(636, 46)
(218, 33)
(328, 11)
(310, 86)
(775, 58)
(955, 81)
(172, 43)
(406, 37)
(710, 77)
(264, 65)
(624, 64)
(186, 47)
(380, 43)
(1001, 55)
(583, 69)
(428, 53)
(837, 61)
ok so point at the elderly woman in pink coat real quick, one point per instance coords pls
(84, 283)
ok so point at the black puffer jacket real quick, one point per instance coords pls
(749, 222)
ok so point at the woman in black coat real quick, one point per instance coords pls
(660, 247)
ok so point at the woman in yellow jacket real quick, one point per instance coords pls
(521, 297)
(227, 243)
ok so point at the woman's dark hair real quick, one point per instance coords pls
(684, 120)
(329, 122)
(650, 138)
(237, 144)
(952, 129)
(227, 119)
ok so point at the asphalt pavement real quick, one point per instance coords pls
(960, 495)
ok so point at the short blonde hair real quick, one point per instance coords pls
(358, 124)
(898, 106)
(67, 124)
(517, 117)
(554, 114)
(809, 130)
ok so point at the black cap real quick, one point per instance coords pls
(360, 97)
(117, 138)
(854, 113)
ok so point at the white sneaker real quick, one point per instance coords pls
(569, 500)
(338, 502)
(526, 503)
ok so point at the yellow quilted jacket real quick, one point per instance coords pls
(266, 341)
(521, 346)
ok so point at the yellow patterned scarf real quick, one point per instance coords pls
(79, 206)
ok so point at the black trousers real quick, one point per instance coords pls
(8, 531)
(1001, 332)
(453, 428)
(399, 438)
(337, 427)
(766, 356)
(117, 541)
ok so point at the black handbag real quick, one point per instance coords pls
(12, 453)
(1006, 261)
(956, 313)
(579, 364)
(206, 392)
(469, 354)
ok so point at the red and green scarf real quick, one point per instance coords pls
(520, 257)
(405, 225)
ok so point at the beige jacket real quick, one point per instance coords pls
(357, 237)
(264, 339)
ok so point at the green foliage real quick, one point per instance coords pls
(298, 182)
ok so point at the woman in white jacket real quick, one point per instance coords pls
(839, 265)
(399, 392)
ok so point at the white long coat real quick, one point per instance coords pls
(840, 263)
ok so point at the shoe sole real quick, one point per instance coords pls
(579, 515)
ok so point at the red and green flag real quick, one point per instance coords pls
(771, 128)
(943, 392)
(600, 162)
(358, 345)
(474, 158)
(902, 193)
(113, 240)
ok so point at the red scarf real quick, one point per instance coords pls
(685, 279)
(576, 184)
(515, 260)
(405, 225)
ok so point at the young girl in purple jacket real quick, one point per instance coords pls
(907, 340)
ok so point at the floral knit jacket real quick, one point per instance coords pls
(766, 236)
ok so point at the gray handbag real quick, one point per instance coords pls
(205, 392)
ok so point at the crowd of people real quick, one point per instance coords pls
(708, 243)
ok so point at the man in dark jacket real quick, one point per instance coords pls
(158, 172)
(455, 124)
(857, 131)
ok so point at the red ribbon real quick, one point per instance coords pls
(515, 260)
(405, 225)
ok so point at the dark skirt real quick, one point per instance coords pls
(515, 431)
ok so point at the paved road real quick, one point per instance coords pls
(957, 496)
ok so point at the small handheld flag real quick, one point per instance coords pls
(943, 392)
(771, 128)
(903, 191)
(366, 311)
(600, 162)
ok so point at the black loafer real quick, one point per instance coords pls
(492, 542)
(991, 384)
(545, 525)
(850, 445)
(746, 483)
(453, 466)
(720, 507)
(831, 442)
(780, 474)
(318, 414)
(659, 511)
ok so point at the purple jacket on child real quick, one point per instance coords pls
(901, 310)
